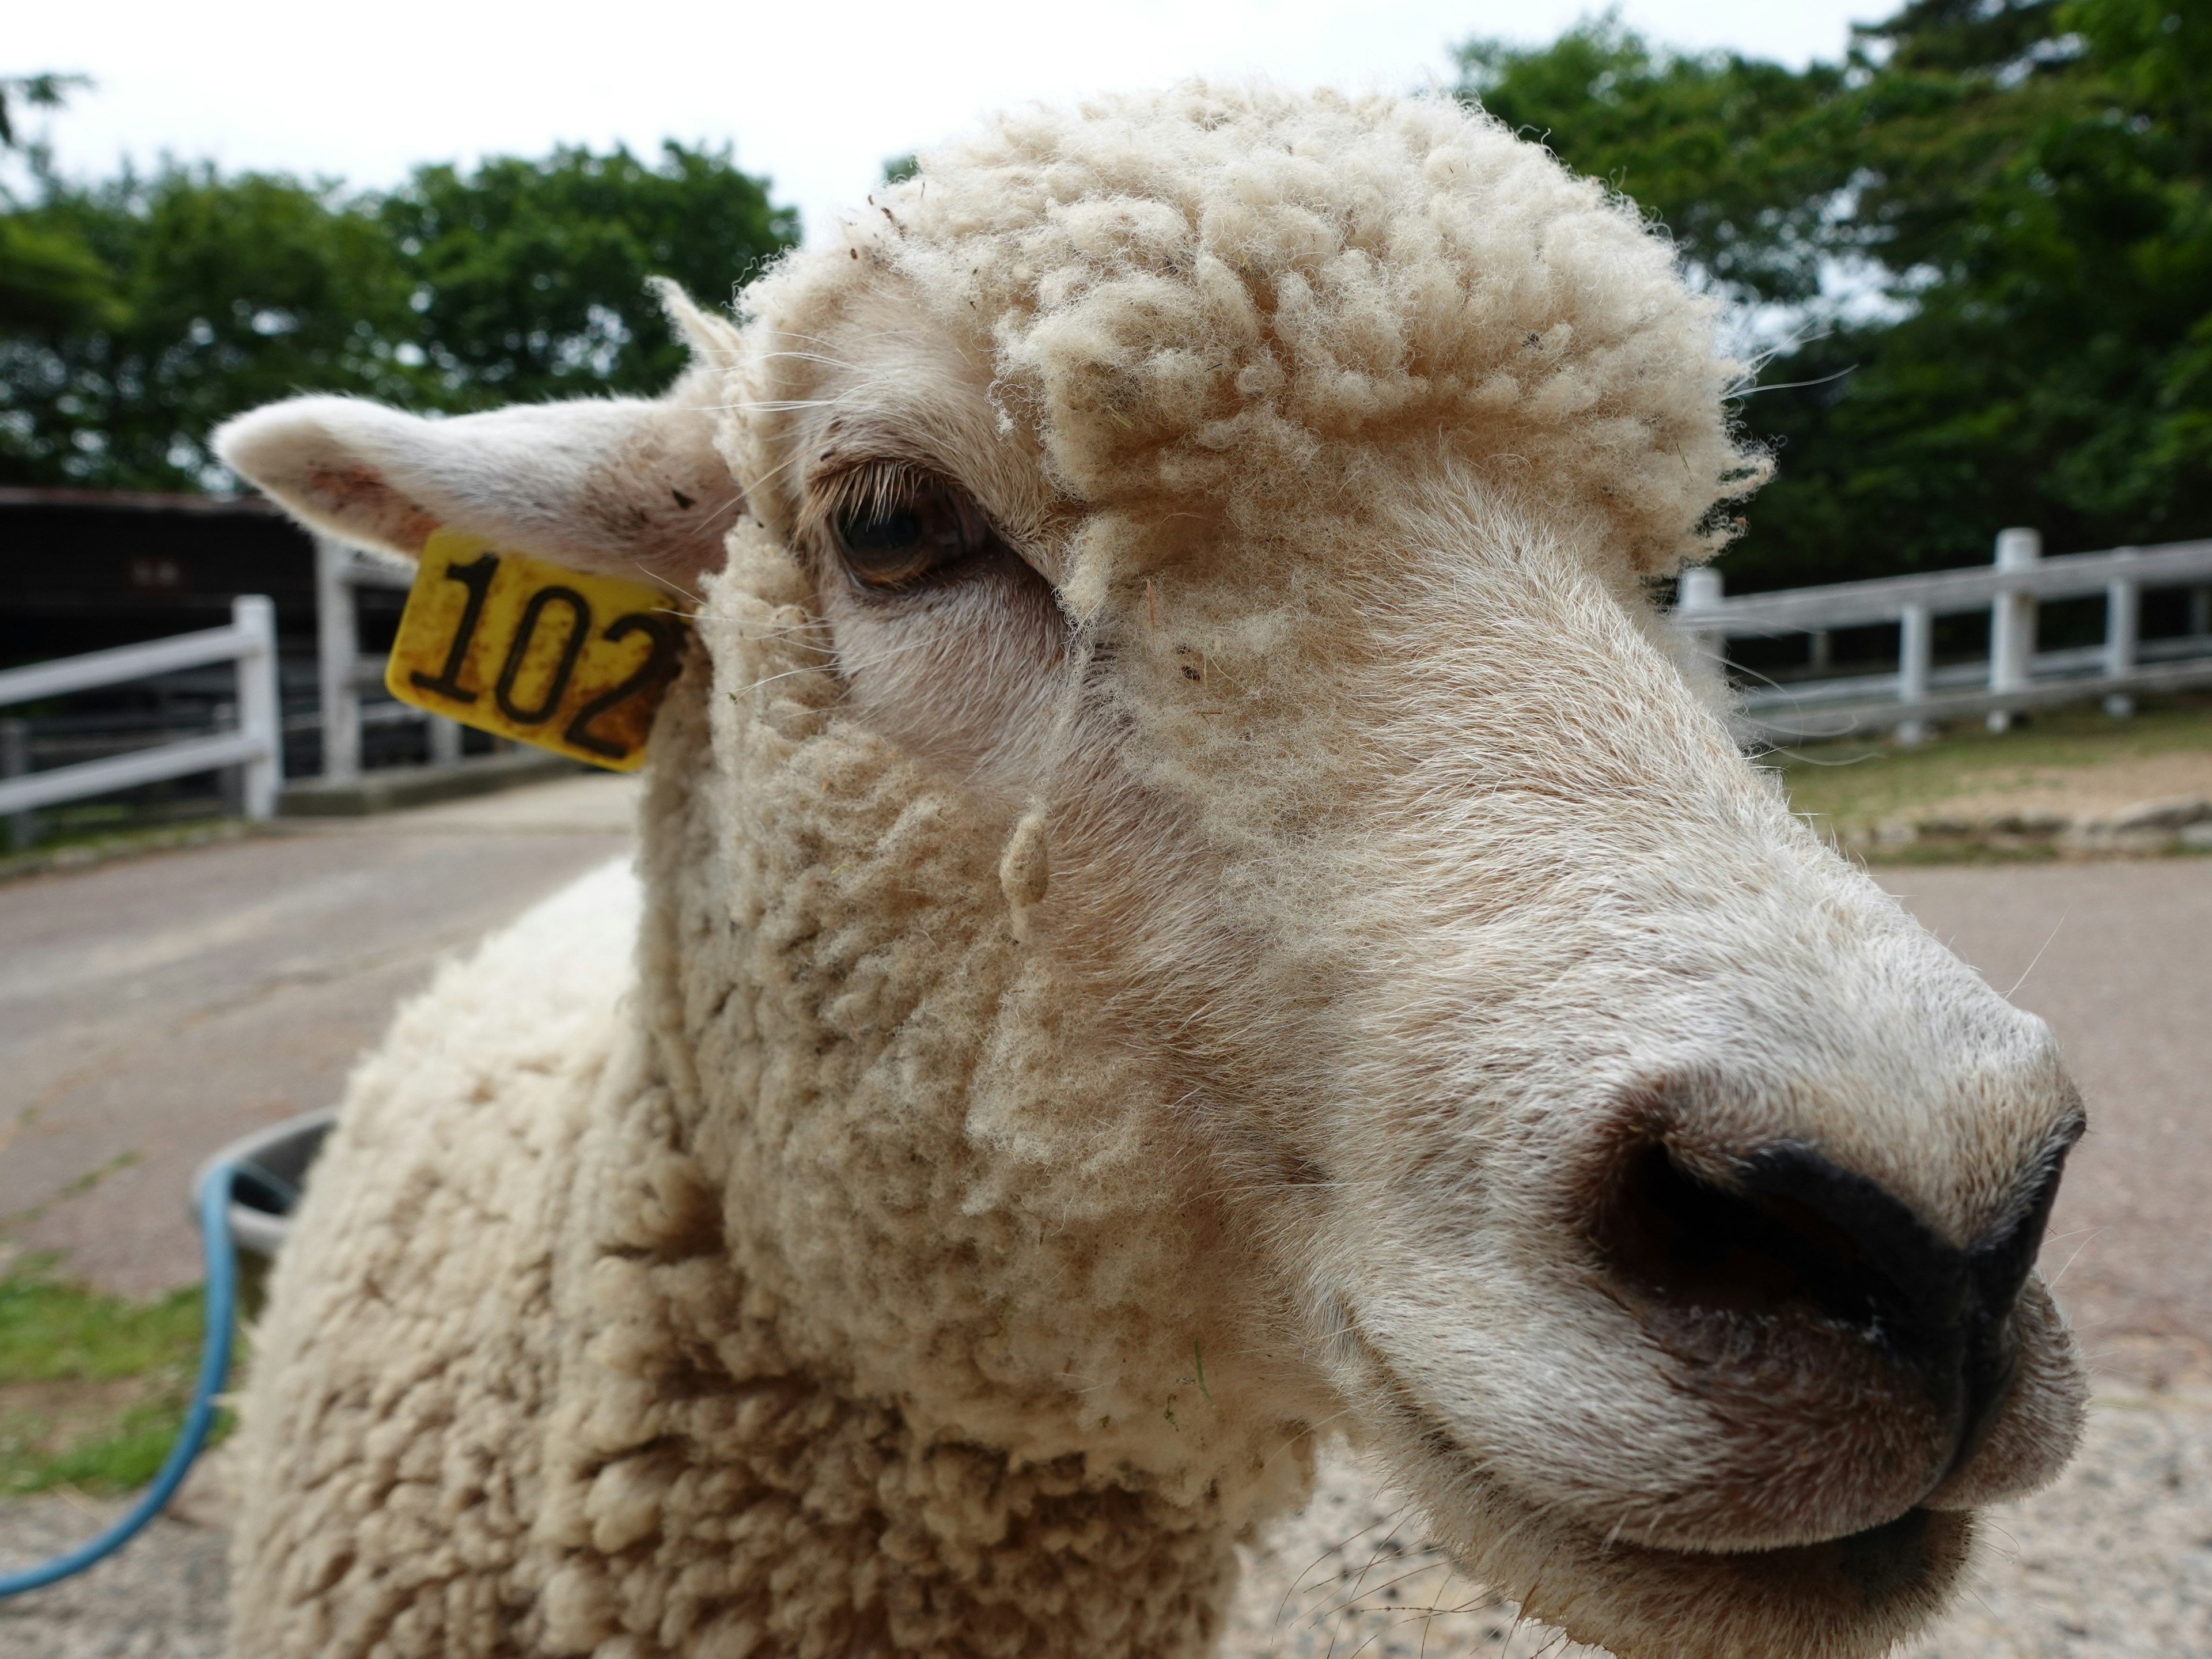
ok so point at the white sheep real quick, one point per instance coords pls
(1188, 908)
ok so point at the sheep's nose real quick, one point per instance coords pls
(1796, 1235)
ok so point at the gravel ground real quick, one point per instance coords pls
(2114, 1562)
(2109, 787)
(159, 1598)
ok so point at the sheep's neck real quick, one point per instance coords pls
(811, 1315)
(705, 1490)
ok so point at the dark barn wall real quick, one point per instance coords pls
(80, 571)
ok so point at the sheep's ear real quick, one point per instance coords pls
(626, 486)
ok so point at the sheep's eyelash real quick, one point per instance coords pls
(870, 486)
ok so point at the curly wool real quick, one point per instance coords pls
(616, 1429)
(1200, 298)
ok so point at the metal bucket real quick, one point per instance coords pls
(272, 1164)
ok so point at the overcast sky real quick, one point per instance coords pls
(814, 92)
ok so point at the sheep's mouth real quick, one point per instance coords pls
(1855, 1593)
(1879, 1561)
(1876, 1564)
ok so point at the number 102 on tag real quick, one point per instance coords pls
(570, 661)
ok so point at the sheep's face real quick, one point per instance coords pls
(1325, 958)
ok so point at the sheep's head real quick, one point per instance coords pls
(1195, 902)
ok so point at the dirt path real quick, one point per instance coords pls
(162, 1598)
(2118, 956)
(2070, 764)
(153, 1008)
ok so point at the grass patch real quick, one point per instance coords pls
(68, 850)
(93, 1387)
(1862, 781)
(153, 810)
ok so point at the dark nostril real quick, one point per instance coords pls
(1866, 1258)
(1795, 1233)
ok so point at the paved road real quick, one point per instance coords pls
(2118, 956)
(153, 1008)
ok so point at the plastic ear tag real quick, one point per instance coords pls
(572, 662)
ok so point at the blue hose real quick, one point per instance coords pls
(215, 1365)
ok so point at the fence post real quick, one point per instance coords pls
(2012, 621)
(1915, 653)
(1700, 589)
(260, 702)
(15, 761)
(2122, 627)
(337, 643)
(229, 780)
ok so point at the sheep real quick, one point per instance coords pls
(1189, 906)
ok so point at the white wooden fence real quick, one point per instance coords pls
(343, 672)
(257, 747)
(2014, 677)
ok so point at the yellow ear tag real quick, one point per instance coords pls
(572, 662)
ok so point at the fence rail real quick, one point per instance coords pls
(2015, 677)
(257, 747)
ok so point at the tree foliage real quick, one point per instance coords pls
(2026, 182)
(137, 312)
(1740, 159)
(48, 278)
(213, 295)
(35, 92)
(530, 274)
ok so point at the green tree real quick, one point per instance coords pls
(530, 276)
(1742, 160)
(2027, 179)
(34, 92)
(137, 313)
(2031, 181)
(214, 295)
(47, 277)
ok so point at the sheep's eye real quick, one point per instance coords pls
(899, 529)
